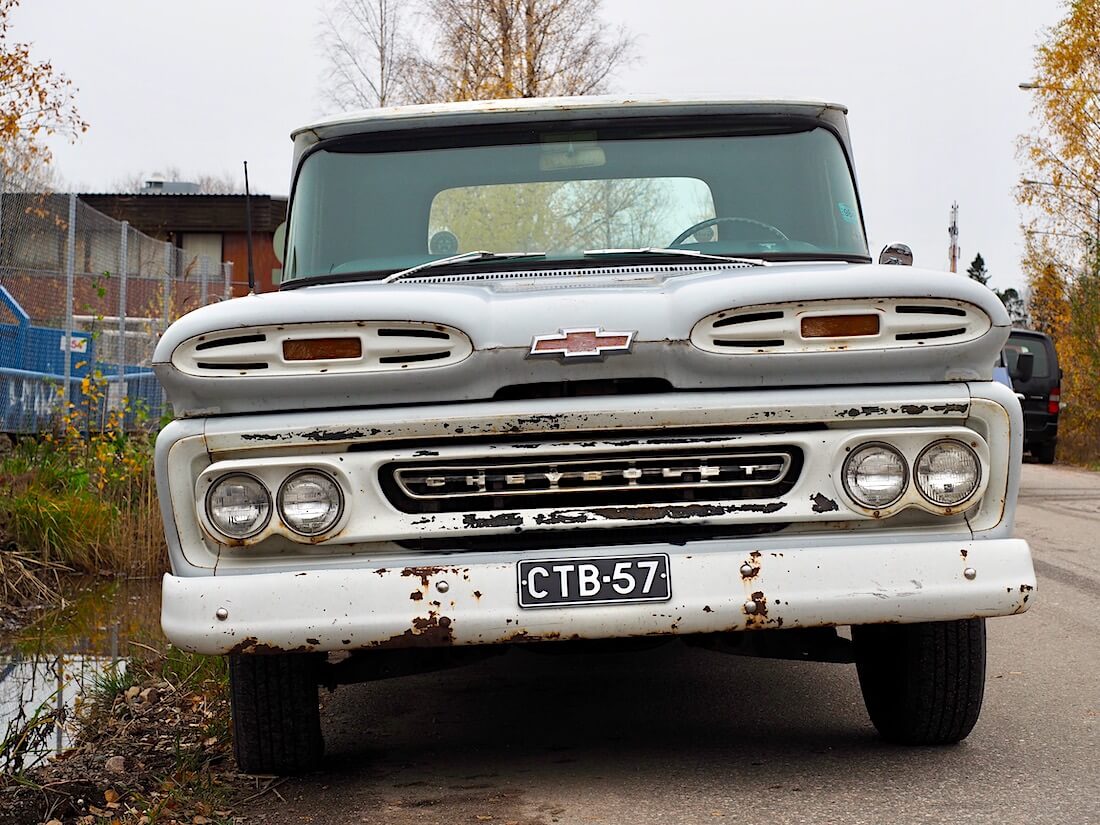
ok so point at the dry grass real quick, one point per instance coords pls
(27, 579)
(82, 499)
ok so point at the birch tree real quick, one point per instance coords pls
(467, 50)
(521, 48)
(367, 53)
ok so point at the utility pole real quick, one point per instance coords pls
(953, 234)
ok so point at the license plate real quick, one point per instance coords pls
(558, 582)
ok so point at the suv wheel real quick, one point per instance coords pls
(1044, 453)
(276, 718)
(922, 683)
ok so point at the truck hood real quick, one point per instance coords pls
(474, 337)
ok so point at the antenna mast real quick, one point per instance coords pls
(953, 234)
(248, 232)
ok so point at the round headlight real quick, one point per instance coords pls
(310, 503)
(875, 475)
(948, 473)
(238, 505)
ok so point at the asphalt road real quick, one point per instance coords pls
(679, 735)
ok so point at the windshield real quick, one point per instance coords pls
(368, 211)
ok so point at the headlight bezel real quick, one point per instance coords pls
(906, 474)
(272, 473)
(261, 525)
(953, 505)
(340, 503)
(911, 442)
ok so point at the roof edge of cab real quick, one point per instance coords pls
(551, 109)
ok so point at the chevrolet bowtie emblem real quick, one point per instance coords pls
(581, 343)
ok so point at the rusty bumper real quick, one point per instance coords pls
(714, 588)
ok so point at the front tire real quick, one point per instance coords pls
(276, 718)
(922, 683)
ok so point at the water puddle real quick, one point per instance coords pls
(46, 667)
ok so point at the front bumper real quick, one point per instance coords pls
(792, 586)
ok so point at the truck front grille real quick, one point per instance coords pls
(649, 478)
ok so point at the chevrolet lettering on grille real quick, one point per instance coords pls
(607, 479)
(571, 344)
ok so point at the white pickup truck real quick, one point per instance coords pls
(589, 372)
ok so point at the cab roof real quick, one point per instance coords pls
(556, 108)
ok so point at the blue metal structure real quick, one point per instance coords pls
(32, 372)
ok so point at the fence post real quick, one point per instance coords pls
(123, 274)
(202, 281)
(166, 295)
(3, 186)
(228, 267)
(70, 275)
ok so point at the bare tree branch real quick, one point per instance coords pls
(474, 49)
(367, 56)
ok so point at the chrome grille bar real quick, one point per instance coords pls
(677, 474)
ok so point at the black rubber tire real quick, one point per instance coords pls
(922, 683)
(276, 717)
(1044, 453)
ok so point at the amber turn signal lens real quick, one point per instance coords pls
(840, 326)
(322, 349)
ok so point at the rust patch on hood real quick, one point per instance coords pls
(855, 412)
(337, 435)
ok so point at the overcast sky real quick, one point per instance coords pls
(932, 89)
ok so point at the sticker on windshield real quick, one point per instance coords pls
(847, 214)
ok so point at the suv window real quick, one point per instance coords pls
(1028, 343)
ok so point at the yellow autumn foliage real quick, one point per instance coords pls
(1060, 197)
(35, 102)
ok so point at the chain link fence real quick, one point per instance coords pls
(83, 299)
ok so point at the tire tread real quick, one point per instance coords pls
(923, 684)
(276, 716)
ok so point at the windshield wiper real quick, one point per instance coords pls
(678, 253)
(478, 256)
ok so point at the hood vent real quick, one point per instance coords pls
(385, 346)
(778, 328)
(231, 341)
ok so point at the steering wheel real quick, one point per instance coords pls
(691, 230)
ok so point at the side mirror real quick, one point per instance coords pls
(278, 241)
(896, 254)
(1024, 367)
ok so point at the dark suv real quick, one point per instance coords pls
(1038, 381)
